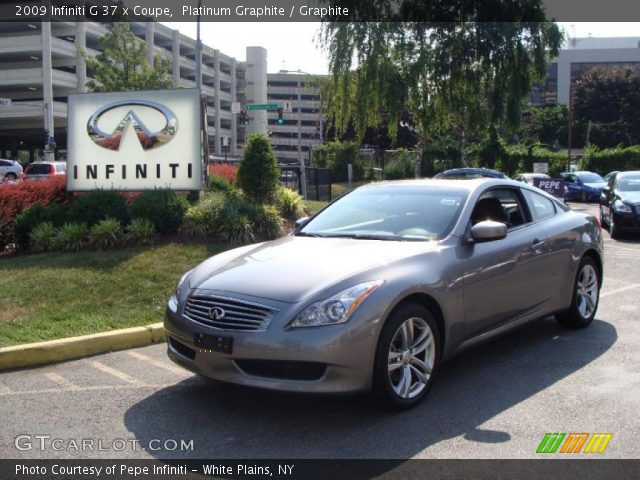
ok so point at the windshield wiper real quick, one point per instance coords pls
(308, 234)
(365, 236)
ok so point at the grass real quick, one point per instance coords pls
(312, 207)
(338, 189)
(57, 295)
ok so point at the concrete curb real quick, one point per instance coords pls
(32, 354)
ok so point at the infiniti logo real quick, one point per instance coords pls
(148, 139)
(216, 313)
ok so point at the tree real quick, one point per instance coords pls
(258, 172)
(610, 98)
(546, 124)
(123, 66)
(453, 77)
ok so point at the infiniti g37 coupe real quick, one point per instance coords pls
(383, 285)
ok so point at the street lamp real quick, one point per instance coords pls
(198, 50)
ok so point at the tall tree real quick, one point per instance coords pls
(123, 66)
(453, 77)
(610, 98)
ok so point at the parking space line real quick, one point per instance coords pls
(85, 389)
(113, 372)
(4, 390)
(60, 380)
(157, 363)
(618, 290)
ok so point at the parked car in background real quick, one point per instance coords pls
(529, 177)
(467, 173)
(583, 186)
(43, 170)
(383, 285)
(10, 170)
(620, 203)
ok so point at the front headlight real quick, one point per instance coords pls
(181, 283)
(337, 309)
(620, 206)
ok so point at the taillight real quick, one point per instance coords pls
(52, 170)
(598, 222)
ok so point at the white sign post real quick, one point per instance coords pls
(235, 107)
(540, 168)
(134, 141)
(287, 106)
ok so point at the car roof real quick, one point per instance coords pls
(628, 173)
(466, 184)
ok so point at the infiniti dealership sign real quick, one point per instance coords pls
(135, 140)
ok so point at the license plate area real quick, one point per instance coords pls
(215, 343)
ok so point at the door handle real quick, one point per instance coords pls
(537, 243)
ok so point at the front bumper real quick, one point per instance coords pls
(627, 222)
(330, 359)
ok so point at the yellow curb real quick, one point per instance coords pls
(32, 354)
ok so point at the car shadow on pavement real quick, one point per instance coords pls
(227, 421)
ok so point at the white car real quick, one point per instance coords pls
(10, 170)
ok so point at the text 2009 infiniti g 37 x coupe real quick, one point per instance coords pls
(383, 285)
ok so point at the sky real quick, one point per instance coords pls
(294, 46)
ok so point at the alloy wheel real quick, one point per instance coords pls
(587, 291)
(411, 357)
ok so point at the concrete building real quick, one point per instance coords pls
(302, 121)
(579, 55)
(40, 66)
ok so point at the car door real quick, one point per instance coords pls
(501, 278)
(4, 168)
(574, 185)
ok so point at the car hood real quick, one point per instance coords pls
(292, 268)
(597, 186)
(631, 197)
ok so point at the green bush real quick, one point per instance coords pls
(203, 219)
(610, 159)
(400, 164)
(25, 222)
(289, 203)
(234, 222)
(220, 184)
(106, 234)
(91, 207)
(258, 172)
(267, 224)
(42, 237)
(140, 232)
(164, 208)
(71, 237)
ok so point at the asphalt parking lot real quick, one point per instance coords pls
(495, 401)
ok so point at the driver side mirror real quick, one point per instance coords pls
(488, 231)
(606, 190)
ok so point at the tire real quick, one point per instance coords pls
(602, 221)
(12, 177)
(411, 372)
(583, 197)
(586, 295)
(614, 230)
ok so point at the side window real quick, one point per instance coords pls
(4, 164)
(500, 205)
(612, 181)
(539, 206)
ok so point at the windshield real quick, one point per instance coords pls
(629, 184)
(590, 178)
(391, 212)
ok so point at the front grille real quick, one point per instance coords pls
(238, 314)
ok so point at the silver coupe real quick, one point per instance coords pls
(383, 285)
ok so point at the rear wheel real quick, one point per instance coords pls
(406, 357)
(583, 196)
(586, 295)
(12, 177)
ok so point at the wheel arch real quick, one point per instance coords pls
(595, 256)
(430, 303)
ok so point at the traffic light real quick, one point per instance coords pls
(244, 117)
(280, 120)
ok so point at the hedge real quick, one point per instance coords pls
(612, 159)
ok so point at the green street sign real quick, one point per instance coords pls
(262, 106)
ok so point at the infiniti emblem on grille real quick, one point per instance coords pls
(216, 313)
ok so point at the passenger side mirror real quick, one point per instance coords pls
(488, 231)
(301, 222)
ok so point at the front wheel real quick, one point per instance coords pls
(614, 230)
(586, 295)
(406, 357)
